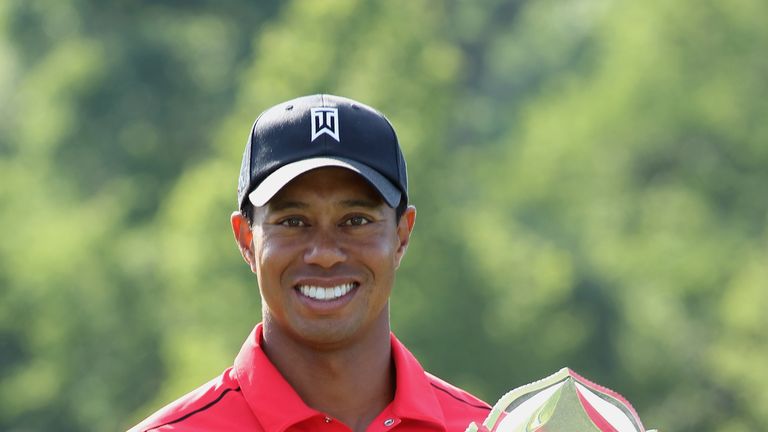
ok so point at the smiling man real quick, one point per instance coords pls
(324, 223)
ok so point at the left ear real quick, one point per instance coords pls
(404, 230)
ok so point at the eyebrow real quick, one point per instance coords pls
(286, 205)
(299, 205)
(365, 203)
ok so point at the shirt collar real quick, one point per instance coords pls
(414, 397)
(277, 406)
(273, 401)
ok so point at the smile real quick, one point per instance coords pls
(326, 294)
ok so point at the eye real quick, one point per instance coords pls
(293, 221)
(356, 221)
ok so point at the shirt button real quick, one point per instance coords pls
(327, 419)
(389, 422)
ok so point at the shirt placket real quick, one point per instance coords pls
(386, 421)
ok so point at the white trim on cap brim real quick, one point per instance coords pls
(278, 179)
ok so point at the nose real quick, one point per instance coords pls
(324, 250)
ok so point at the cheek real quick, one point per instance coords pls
(380, 251)
(267, 256)
(275, 254)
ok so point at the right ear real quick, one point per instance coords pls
(244, 238)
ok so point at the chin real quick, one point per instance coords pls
(332, 334)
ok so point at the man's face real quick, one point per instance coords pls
(325, 250)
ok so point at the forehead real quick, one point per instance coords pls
(327, 183)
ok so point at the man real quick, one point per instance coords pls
(324, 222)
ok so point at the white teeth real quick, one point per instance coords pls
(321, 293)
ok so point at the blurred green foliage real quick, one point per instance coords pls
(590, 178)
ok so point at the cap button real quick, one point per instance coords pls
(327, 419)
(389, 422)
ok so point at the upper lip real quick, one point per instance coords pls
(325, 282)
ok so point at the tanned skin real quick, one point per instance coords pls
(328, 228)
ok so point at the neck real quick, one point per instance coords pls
(352, 383)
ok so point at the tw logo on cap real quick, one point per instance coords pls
(325, 121)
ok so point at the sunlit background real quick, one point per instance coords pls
(590, 177)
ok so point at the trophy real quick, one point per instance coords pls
(562, 402)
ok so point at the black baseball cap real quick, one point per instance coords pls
(316, 131)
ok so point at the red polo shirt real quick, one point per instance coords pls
(253, 396)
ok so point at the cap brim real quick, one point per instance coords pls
(283, 175)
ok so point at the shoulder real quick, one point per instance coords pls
(454, 397)
(423, 391)
(459, 406)
(214, 405)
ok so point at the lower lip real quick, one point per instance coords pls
(326, 305)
